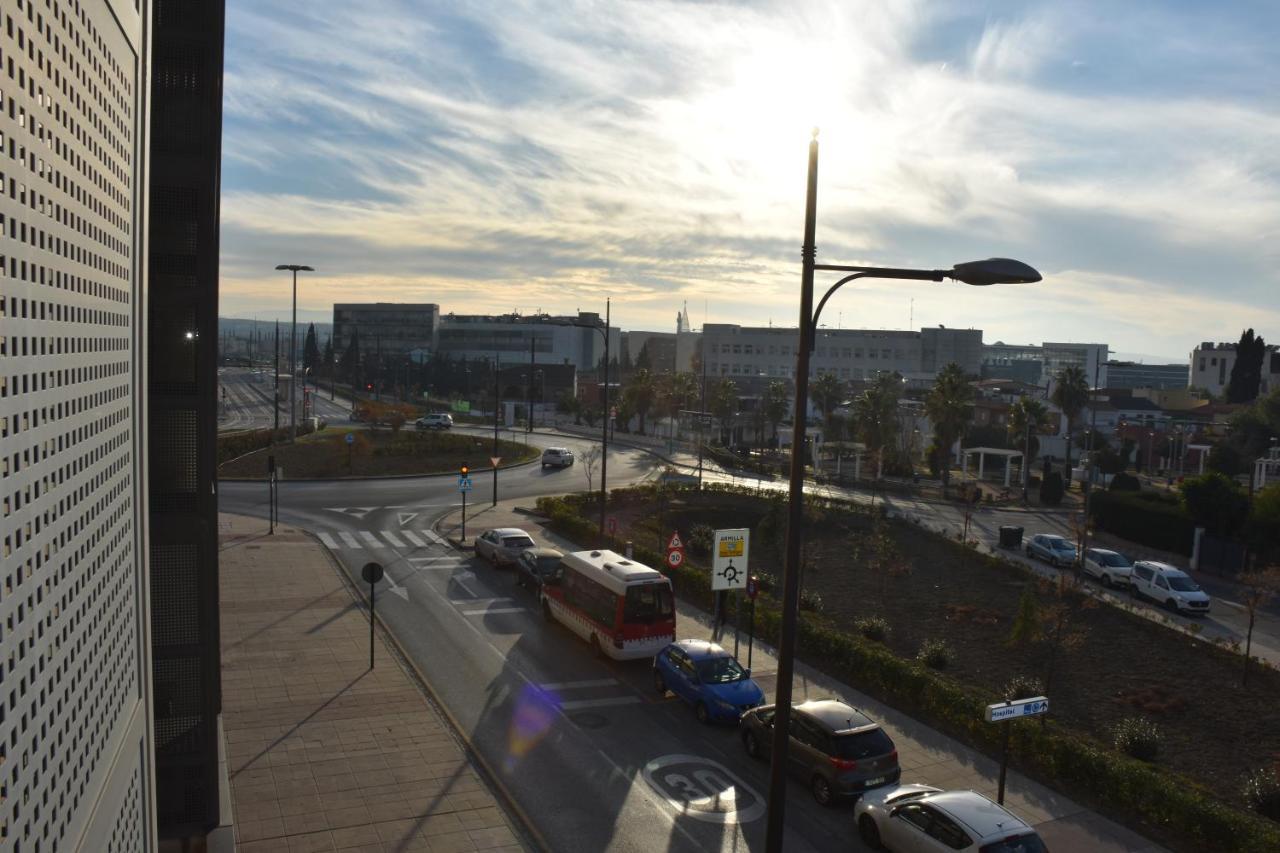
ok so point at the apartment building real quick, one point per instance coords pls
(1211, 365)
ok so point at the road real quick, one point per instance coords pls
(245, 398)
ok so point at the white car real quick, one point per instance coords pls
(442, 420)
(1110, 567)
(1167, 585)
(560, 457)
(923, 819)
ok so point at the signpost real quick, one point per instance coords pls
(612, 525)
(372, 573)
(350, 439)
(729, 571)
(1005, 713)
(271, 494)
(675, 551)
(753, 589)
(464, 486)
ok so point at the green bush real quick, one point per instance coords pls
(233, 445)
(1262, 792)
(873, 628)
(701, 539)
(1022, 687)
(1147, 518)
(1051, 489)
(1137, 736)
(1123, 482)
(935, 654)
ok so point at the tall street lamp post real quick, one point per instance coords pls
(293, 349)
(604, 432)
(990, 271)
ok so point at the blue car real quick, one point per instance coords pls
(708, 677)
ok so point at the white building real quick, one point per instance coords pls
(75, 653)
(1211, 368)
(508, 337)
(1039, 364)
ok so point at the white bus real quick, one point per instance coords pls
(624, 609)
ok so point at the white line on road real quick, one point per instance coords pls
(329, 541)
(391, 537)
(370, 538)
(408, 534)
(490, 610)
(350, 540)
(451, 561)
(577, 704)
(434, 537)
(573, 685)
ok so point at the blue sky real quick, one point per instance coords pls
(522, 156)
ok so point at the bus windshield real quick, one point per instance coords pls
(648, 604)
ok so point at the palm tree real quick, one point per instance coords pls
(675, 390)
(949, 405)
(877, 411)
(776, 404)
(723, 403)
(827, 393)
(1027, 418)
(1071, 394)
(640, 393)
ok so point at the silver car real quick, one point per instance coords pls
(924, 819)
(502, 546)
(1052, 548)
(1110, 567)
(560, 457)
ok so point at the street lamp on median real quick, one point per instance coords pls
(604, 433)
(979, 273)
(293, 349)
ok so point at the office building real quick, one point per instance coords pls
(509, 337)
(391, 328)
(1127, 374)
(75, 652)
(1039, 364)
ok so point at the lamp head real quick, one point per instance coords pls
(295, 267)
(994, 271)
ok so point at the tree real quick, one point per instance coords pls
(775, 405)
(1215, 503)
(949, 405)
(1027, 419)
(1257, 589)
(590, 460)
(311, 350)
(1071, 395)
(723, 404)
(827, 393)
(876, 411)
(1246, 373)
(1063, 623)
(675, 390)
(349, 366)
(644, 362)
(639, 393)
(326, 369)
(1026, 625)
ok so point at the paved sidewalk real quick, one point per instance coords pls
(926, 755)
(323, 753)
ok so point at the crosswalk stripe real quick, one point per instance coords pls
(434, 537)
(370, 538)
(350, 540)
(490, 610)
(408, 534)
(329, 541)
(571, 685)
(578, 704)
(391, 537)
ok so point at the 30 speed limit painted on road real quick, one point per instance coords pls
(703, 789)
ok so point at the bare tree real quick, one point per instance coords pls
(590, 464)
(1258, 588)
(1063, 623)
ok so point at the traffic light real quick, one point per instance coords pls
(368, 387)
(464, 470)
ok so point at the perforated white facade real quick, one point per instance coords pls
(75, 761)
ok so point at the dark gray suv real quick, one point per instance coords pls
(837, 750)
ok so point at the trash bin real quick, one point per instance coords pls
(1010, 536)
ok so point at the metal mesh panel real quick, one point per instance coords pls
(179, 700)
(175, 599)
(174, 469)
(174, 344)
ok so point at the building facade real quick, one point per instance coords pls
(515, 339)
(75, 651)
(1040, 364)
(392, 328)
(1127, 374)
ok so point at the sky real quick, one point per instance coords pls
(546, 156)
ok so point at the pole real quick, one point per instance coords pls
(529, 387)
(751, 631)
(495, 427)
(1026, 456)
(377, 379)
(702, 406)
(1088, 487)
(464, 516)
(777, 800)
(604, 438)
(1004, 761)
(737, 620)
(293, 365)
(276, 372)
(372, 596)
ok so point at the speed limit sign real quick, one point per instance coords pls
(675, 559)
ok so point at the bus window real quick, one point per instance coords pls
(648, 604)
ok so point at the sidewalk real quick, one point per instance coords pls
(323, 753)
(925, 754)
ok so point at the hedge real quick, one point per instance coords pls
(233, 445)
(1184, 813)
(1147, 518)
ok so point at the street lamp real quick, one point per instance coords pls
(604, 432)
(979, 273)
(293, 349)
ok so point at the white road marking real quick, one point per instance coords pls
(408, 534)
(577, 704)
(391, 537)
(329, 541)
(434, 537)
(350, 540)
(370, 538)
(489, 610)
(573, 685)
(450, 562)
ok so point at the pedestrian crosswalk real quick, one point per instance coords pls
(339, 540)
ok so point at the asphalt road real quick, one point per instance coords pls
(245, 401)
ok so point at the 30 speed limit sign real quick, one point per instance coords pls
(675, 559)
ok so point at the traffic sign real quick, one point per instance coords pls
(674, 541)
(494, 460)
(612, 525)
(675, 558)
(1002, 711)
(351, 438)
(464, 484)
(729, 559)
(371, 572)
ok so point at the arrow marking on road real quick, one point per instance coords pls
(395, 587)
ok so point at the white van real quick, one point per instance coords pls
(623, 608)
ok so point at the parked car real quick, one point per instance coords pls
(561, 457)
(1167, 585)
(1110, 567)
(836, 749)
(1052, 548)
(923, 819)
(708, 677)
(502, 545)
(440, 420)
(535, 565)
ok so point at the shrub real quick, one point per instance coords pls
(1123, 482)
(873, 628)
(935, 654)
(1148, 518)
(701, 539)
(1022, 687)
(1262, 792)
(1051, 489)
(810, 600)
(1137, 736)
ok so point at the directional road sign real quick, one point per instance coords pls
(351, 438)
(1017, 708)
(729, 559)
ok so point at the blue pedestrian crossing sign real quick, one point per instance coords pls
(464, 484)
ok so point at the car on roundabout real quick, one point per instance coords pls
(924, 819)
(502, 546)
(438, 420)
(708, 677)
(558, 457)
